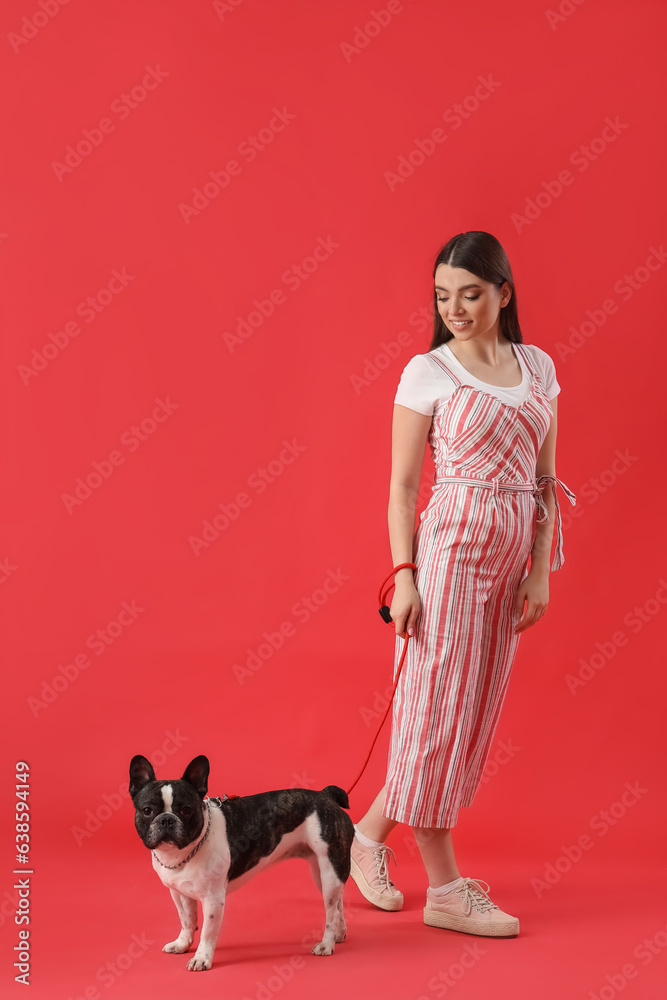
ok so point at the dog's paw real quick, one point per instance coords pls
(177, 947)
(322, 949)
(200, 963)
(340, 936)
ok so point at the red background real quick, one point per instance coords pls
(320, 371)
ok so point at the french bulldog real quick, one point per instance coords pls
(203, 848)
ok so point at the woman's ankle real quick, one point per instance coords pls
(443, 887)
(374, 829)
(369, 829)
(365, 840)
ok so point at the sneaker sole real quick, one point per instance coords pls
(505, 928)
(378, 899)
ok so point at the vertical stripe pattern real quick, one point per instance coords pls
(471, 548)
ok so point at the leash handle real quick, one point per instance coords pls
(384, 611)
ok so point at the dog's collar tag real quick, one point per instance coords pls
(219, 799)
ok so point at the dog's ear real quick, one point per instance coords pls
(196, 773)
(141, 772)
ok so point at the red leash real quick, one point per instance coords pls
(384, 611)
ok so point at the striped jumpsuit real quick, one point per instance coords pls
(471, 548)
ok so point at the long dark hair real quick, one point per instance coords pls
(482, 255)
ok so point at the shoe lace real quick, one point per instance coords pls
(380, 856)
(474, 896)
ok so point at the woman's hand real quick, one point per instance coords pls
(534, 591)
(405, 608)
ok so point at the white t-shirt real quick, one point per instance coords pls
(425, 387)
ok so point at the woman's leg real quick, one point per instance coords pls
(465, 906)
(369, 863)
(374, 824)
(437, 851)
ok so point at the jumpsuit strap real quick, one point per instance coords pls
(540, 484)
(524, 354)
(455, 379)
(528, 361)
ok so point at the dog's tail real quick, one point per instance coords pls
(339, 795)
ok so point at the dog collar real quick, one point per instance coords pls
(194, 850)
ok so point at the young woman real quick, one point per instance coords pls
(486, 404)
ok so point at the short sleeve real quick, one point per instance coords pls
(417, 388)
(548, 372)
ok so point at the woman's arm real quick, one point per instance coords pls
(532, 597)
(408, 445)
(540, 556)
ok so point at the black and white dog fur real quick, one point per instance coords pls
(204, 848)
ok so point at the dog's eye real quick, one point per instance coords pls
(147, 810)
(186, 811)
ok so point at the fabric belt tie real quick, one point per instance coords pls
(536, 487)
(541, 482)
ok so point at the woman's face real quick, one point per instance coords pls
(469, 306)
